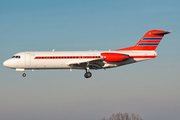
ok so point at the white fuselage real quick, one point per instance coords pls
(65, 59)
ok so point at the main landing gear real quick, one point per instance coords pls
(87, 74)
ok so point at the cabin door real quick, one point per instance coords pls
(28, 59)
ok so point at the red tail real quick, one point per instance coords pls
(148, 42)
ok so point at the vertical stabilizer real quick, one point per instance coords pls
(149, 41)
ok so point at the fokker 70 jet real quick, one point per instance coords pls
(87, 60)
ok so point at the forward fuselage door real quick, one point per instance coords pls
(28, 59)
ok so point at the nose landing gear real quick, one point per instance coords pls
(24, 74)
(87, 74)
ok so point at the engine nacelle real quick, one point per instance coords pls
(114, 57)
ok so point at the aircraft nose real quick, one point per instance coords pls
(7, 63)
(10, 63)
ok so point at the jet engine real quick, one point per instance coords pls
(114, 57)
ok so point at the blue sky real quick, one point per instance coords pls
(149, 88)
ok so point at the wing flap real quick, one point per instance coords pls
(93, 64)
(85, 62)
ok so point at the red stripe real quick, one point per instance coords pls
(66, 57)
(150, 41)
(83, 57)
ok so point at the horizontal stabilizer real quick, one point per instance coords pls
(161, 33)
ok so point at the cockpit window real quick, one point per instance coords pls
(16, 57)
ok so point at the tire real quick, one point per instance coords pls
(24, 74)
(87, 75)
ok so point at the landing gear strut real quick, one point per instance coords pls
(87, 74)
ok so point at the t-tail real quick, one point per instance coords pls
(148, 42)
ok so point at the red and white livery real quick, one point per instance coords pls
(143, 50)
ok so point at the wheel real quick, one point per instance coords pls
(24, 74)
(87, 75)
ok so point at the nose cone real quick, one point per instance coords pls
(9, 63)
(6, 63)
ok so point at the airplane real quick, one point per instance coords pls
(88, 60)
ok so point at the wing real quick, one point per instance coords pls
(92, 64)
